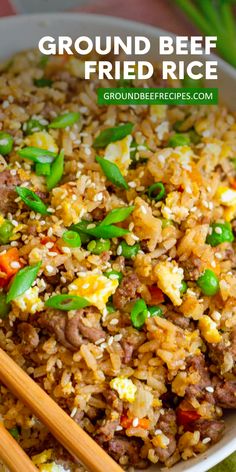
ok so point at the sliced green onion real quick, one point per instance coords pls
(71, 238)
(128, 251)
(43, 61)
(67, 302)
(57, 169)
(37, 155)
(42, 169)
(139, 314)
(117, 215)
(114, 274)
(110, 135)
(43, 82)
(67, 119)
(14, 432)
(112, 172)
(4, 306)
(98, 247)
(157, 191)
(33, 126)
(6, 230)
(22, 281)
(32, 200)
(110, 308)
(99, 231)
(179, 140)
(155, 311)
(6, 143)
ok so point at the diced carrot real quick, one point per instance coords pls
(6, 260)
(157, 295)
(186, 417)
(233, 183)
(54, 248)
(127, 422)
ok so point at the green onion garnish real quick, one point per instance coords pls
(67, 302)
(6, 143)
(179, 140)
(139, 314)
(32, 200)
(157, 191)
(22, 281)
(99, 231)
(37, 155)
(4, 306)
(113, 274)
(43, 82)
(57, 169)
(110, 135)
(117, 215)
(42, 169)
(33, 126)
(155, 311)
(14, 432)
(71, 238)
(112, 172)
(62, 121)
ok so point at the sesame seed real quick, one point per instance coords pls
(218, 230)
(85, 286)
(99, 341)
(158, 431)
(143, 209)
(119, 428)
(135, 422)
(132, 184)
(118, 337)
(119, 251)
(209, 389)
(206, 440)
(114, 322)
(15, 265)
(110, 341)
(91, 226)
(49, 269)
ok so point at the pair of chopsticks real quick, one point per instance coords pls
(64, 429)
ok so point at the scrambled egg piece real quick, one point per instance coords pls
(209, 329)
(42, 457)
(42, 140)
(125, 388)
(69, 205)
(119, 153)
(161, 440)
(173, 208)
(95, 287)
(226, 196)
(169, 278)
(29, 301)
(52, 467)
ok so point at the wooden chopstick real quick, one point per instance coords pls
(61, 425)
(12, 455)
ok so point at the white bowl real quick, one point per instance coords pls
(23, 32)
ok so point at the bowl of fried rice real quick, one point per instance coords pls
(117, 256)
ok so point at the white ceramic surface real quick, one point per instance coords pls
(23, 32)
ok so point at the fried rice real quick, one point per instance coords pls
(148, 393)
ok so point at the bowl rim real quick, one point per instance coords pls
(138, 27)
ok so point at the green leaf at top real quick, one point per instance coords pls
(110, 135)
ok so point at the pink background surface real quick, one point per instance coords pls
(160, 13)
